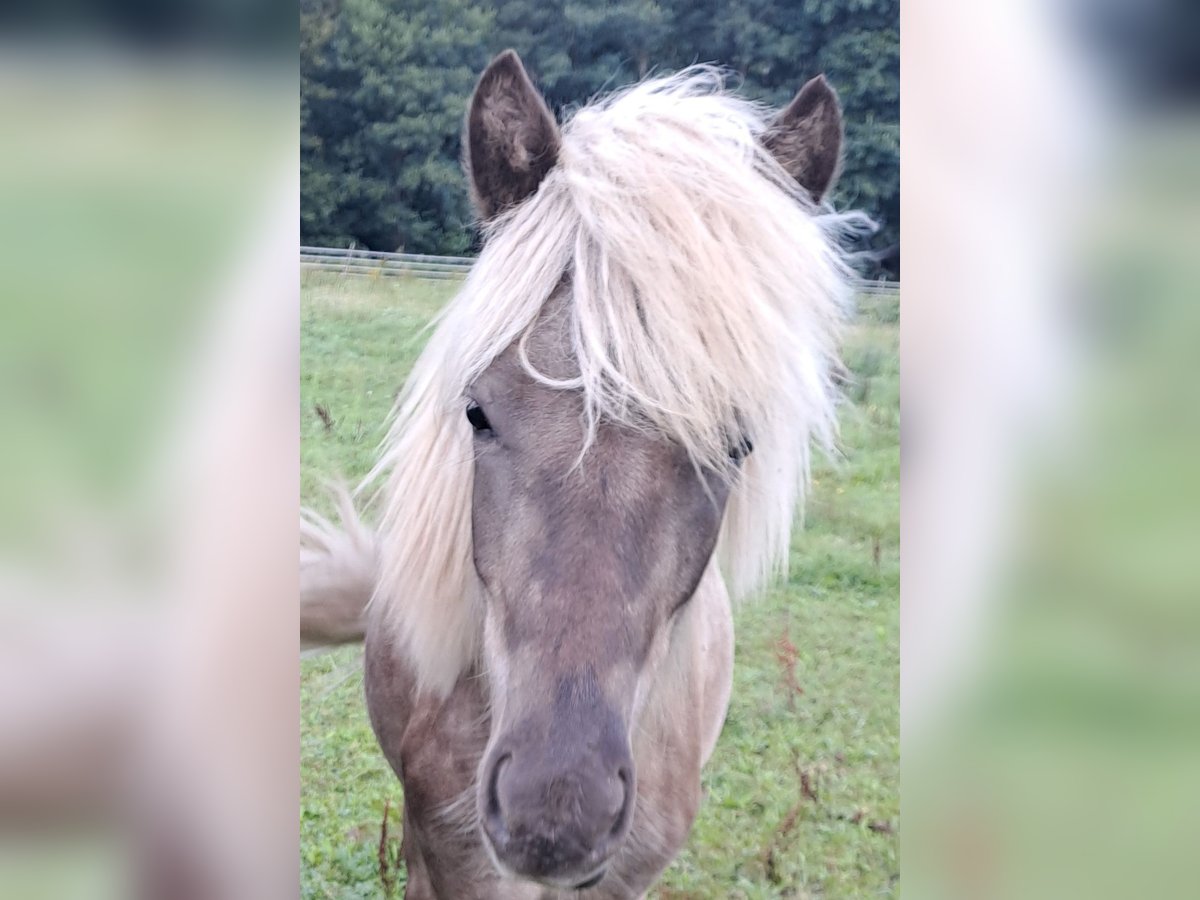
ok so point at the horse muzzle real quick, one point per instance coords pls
(553, 819)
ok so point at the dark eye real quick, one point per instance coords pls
(741, 449)
(477, 419)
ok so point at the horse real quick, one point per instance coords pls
(604, 443)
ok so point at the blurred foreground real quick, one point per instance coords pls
(1051, 499)
(148, 474)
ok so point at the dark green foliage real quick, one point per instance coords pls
(384, 85)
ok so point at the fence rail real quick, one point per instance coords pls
(374, 263)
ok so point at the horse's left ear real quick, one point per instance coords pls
(806, 137)
(511, 139)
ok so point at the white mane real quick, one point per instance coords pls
(706, 294)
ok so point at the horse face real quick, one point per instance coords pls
(585, 558)
(585, 561)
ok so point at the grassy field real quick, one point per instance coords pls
(802, 795)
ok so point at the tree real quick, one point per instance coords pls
(385, 83)
(382, 101)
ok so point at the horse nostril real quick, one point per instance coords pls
(495, 815)
(623, 814)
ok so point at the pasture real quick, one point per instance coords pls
(802, 794)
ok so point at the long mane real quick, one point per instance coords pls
(706, 294)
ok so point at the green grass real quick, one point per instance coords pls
(802, 794)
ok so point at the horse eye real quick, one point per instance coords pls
(477, 419)
(741, 449)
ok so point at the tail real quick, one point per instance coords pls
(337, 575)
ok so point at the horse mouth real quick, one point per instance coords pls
(591, 882)
(559, 884)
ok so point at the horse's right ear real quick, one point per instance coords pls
(806, 137)
(511, 139)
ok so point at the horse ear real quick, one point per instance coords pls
(806, 137)
(511, 139)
